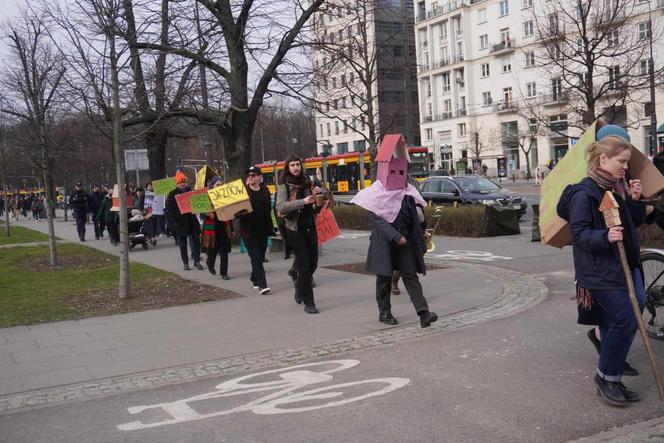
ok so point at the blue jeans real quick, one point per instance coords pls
(618, 326)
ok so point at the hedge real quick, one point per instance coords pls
(461, 221)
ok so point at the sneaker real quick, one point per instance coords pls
(426, 318)
(187, 268)
(264, 291)
(198, 266)
(310, 309)
(610, 391)
(254, 285)
(387, 318)
(629, 371)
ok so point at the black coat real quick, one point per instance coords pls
(94, 202)
(185, 224)
(384, 238)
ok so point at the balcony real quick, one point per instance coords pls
(554, 98)
(443, 9)
(503, 47)
(461, 112)
(506, 106)
(458, 58)
(444, 116)
(441, 63)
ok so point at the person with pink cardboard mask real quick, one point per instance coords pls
(397, 230)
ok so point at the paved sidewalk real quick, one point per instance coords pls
(61, 353)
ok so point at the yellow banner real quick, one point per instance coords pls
(228, 194)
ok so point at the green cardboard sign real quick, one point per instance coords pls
(200, 203)
(164, 186)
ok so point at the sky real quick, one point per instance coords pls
(8, 10)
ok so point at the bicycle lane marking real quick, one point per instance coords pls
(290, 380)
(461, 254)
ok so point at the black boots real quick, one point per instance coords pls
(310, 309)
(426, 318)
(615, 393)
(387, 318)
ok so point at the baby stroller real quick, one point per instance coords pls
(138, 234)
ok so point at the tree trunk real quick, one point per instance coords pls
(156, 141)
(118, 151)
(49, 204)
(3, 171)
(237, 144)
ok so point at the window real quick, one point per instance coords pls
(328, 129)
(444, 56)
(506, 64)
(486, 98)
(443, 31)
(553, 23)
(526, 4)
(530, 59)
(484, 41)
(351, 80)
(507, 96)
(428, 133)
(334, 82)
(343, 102)
(647, 109)
(335, 104)
(327, 107)
(612, 39)
(531, 89)
(345, 125)
(448, 187)
(461, 129)
(644, 30)
(447, 107)
(343, 79)
(446, 83)
(320, 130)
(528, 28)
(614, 77)
(427, 86)
(481, 15)
(505, 35)
(645, 67)
(397, 51)
(485, 70)
(580, 46)
(556, 88)
(504, 7)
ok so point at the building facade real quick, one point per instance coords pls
(365, 74)
(485, 96)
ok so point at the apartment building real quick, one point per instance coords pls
(482, 84)
(365, 72)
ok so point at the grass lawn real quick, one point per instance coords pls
(20, 234)
(84, 285)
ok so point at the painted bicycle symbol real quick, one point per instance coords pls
(284, 397)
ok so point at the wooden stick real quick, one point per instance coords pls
(639, 319)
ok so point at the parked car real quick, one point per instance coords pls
(470, 189)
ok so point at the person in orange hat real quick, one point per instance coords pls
(186, 225)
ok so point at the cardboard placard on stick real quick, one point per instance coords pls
(184, 200)
(231, 211)
(571, 169)
(203, 176)
(228, 194)
(164, 186)
(158, 205)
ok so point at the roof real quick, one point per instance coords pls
(390, 144)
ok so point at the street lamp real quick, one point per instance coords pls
(653, 113)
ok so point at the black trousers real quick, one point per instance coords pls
(195, 248)
(403, 259)
(305, 246)
(223, 259)
(256, 247)
(97, 225)
(81, 219)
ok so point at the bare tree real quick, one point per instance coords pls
(235, 33)
(595, 53)
(525, 140)
(31, 96)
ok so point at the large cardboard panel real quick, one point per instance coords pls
(231, 211)
(572, 169)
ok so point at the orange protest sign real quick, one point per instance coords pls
(184, 202)
(326, 226)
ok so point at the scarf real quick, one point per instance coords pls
(607, 181)
(384, 203)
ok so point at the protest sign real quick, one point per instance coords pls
(572, 169)
(200, 203)
(148, 201)
(326, 226)
(228, 194)
(158, 204)
(184, 200)
(204, 175)
(164, 186)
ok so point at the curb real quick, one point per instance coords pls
(520, 292)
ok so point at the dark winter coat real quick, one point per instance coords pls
(78, 201)
(104, 212)
(185, 224)
(257, 223)
(384, 238)
(596, 261)
(95, 200)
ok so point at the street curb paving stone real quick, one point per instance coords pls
(520, 291)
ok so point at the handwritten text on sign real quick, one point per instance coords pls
(326, 226)
(225, 195)
(200, 203)
(164, 186)
(184, 200)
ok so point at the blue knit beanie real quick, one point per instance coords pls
(613, 130)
